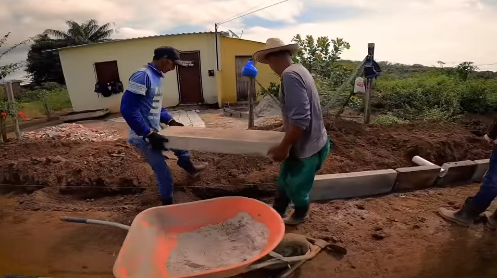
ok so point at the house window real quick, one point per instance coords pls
(107, 72)
(108, 81)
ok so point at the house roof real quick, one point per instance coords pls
(222, 33)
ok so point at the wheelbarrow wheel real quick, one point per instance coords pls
(291, 245)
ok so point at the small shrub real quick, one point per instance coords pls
(388, 119)
(272, 90)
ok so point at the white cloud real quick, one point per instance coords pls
(408, 31)
(128, 32)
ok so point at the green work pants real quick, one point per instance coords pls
(296, 176)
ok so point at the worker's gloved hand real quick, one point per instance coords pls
(175, 123)
(157, 141)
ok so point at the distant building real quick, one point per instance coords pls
(86, 65)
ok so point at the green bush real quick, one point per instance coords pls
(56, 96)
(272, 90)
(389, 119)
(436, 96)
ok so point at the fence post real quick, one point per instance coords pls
(10, 105)
(251, 97)
(369, 85)
(45, 103)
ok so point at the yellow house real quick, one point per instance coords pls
(208, 81)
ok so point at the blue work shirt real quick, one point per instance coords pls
(141, 104)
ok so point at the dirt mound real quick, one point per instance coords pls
(372, 147)
(96, 169)
(104, 166)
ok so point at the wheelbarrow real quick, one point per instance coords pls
(153, 235)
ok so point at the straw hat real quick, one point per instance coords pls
(274, 45)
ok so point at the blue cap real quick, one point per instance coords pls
(172, 54)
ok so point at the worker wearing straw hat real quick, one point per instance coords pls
(306, 144)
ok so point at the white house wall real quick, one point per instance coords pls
(78, 67)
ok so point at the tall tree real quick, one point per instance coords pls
(44, 66)
(320, 55)
(84, 33)
(465, 70)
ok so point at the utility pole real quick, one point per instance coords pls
(217, 47)
(240, 15)
(369, 85)
(10, 105)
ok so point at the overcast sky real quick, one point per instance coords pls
(405, 31)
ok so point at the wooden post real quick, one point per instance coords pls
(10, 105)
(251, 97)
(45, 104)
(369, 85)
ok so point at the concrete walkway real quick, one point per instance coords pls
(188, 118)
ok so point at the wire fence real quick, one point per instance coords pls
(32, 103)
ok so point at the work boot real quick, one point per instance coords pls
(192, 169)
(281, 203)
(167, 201)
(464, 217)
(299, 215)
(491, 220)
(197, 169)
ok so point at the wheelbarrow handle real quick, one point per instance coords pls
(94, 221)
(74, 219)
(21, 276)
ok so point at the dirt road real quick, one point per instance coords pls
(390, 236)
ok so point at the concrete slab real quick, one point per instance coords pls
(351, 185)
(195, 119)
(415, 178)
(188, 118)
(220, 140)
(481, 169)
(183, 118)
(459, 172)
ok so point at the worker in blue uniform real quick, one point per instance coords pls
(141, 107)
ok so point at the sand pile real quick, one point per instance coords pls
(72, 132)
(231, 242)
(268, 106)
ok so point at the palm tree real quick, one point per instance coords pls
(84, 33)
(44, 66)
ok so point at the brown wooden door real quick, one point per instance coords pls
(190, 79)
(242, 82)
(107, 72)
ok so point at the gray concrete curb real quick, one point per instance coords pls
(370, 183)
(235, 113)
(355, 184)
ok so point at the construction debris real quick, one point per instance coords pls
(74, 132)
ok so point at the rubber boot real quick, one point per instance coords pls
(299, 215)
(491, 220)
(466, 216)
(281, 203)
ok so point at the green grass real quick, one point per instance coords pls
(57, 100)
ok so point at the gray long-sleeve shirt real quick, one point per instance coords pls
(302, 108)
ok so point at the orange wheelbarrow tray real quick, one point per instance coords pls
(154, 232)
